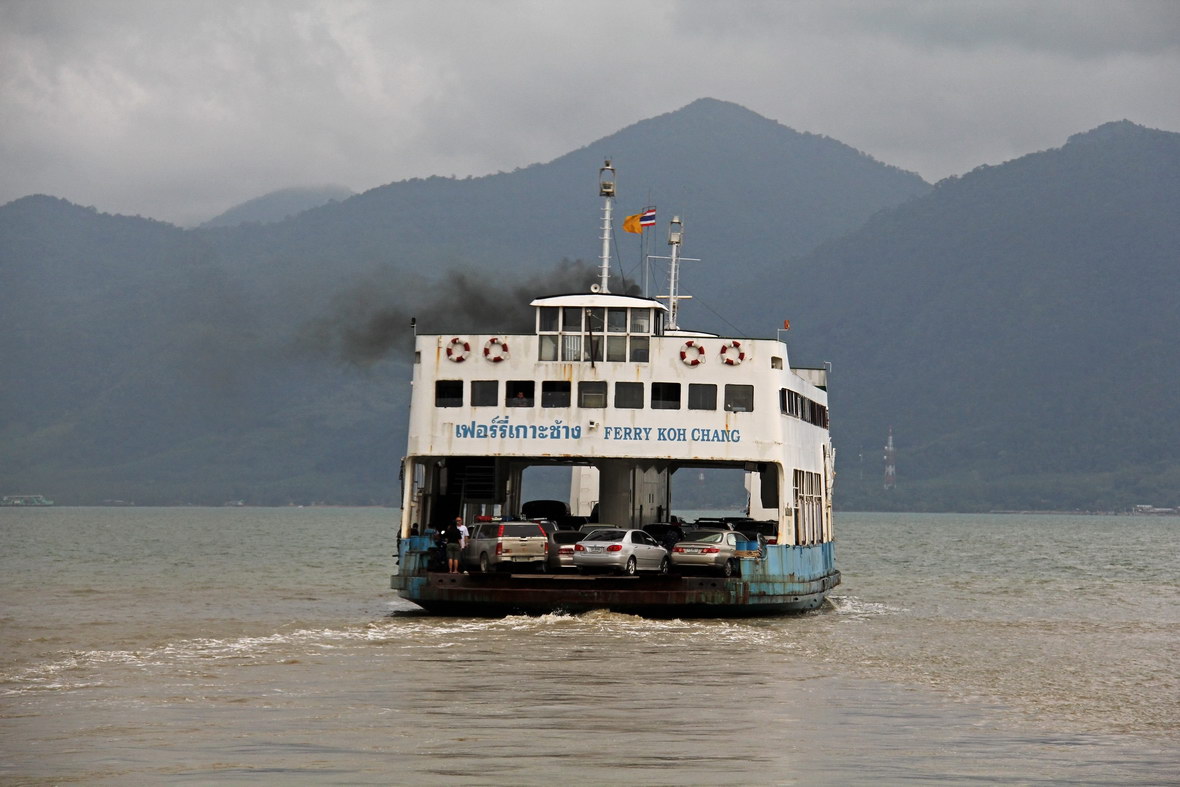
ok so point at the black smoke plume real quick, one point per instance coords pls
(371, 320)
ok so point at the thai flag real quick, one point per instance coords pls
(648, 218)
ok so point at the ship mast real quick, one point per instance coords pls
(675, 238)
(606, 190)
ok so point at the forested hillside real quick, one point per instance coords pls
(138, 369)
(1017, 329)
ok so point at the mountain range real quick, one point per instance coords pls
(1014, 326)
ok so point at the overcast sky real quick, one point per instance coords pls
(180, 109)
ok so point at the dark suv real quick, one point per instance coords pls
(759, 530)
(665, 533)
(496, 546)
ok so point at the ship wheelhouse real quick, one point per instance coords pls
(597, 328)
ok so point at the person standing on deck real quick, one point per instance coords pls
(453, 538)
(462, 529)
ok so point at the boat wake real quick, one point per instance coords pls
(851, 606)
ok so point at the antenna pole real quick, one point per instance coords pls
(606, 190)
(675, 238)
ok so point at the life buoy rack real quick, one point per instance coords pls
(692, 353)
(458, 349)
(495, 349)
(732, 353)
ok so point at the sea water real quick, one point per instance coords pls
(245, 645)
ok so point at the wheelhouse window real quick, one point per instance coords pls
(593, 347)
(739, 398)
(555, 393)
(448, 393)
(591, 393)
(639, 349)
(641, 321)
(571, 318)
(629, 396)
(571, 347)
(665, 396)
(572, 334)
(596, 320)
(519, 393)
(548, 319)
(547, 347)
(702, 396)
(485, 393)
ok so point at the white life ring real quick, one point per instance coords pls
(458, 349)
(738, 354)
(495, 350)
(692, 353)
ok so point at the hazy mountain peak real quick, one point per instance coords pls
(44, 204)
(726, 116)
(39, 209)
(716, 108)
(1116, 130)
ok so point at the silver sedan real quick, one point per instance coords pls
(708, 549)
(625, 551)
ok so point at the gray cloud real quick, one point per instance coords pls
(179, 110)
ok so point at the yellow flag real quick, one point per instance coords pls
(631, 224)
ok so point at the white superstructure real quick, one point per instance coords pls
(600, 384)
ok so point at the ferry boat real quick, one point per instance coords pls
(611, 387)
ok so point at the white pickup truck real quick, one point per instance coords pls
(500, 546)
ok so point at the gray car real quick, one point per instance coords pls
(561, 549)
(625, 551)
(709, 550)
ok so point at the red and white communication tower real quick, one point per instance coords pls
(890, 463)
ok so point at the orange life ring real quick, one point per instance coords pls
(738, 355)
(692, 353)
(501, 352)
(458, 349)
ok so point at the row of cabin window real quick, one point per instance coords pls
(576, 347)
(799, 406)
(595, 319)
(593, 394)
